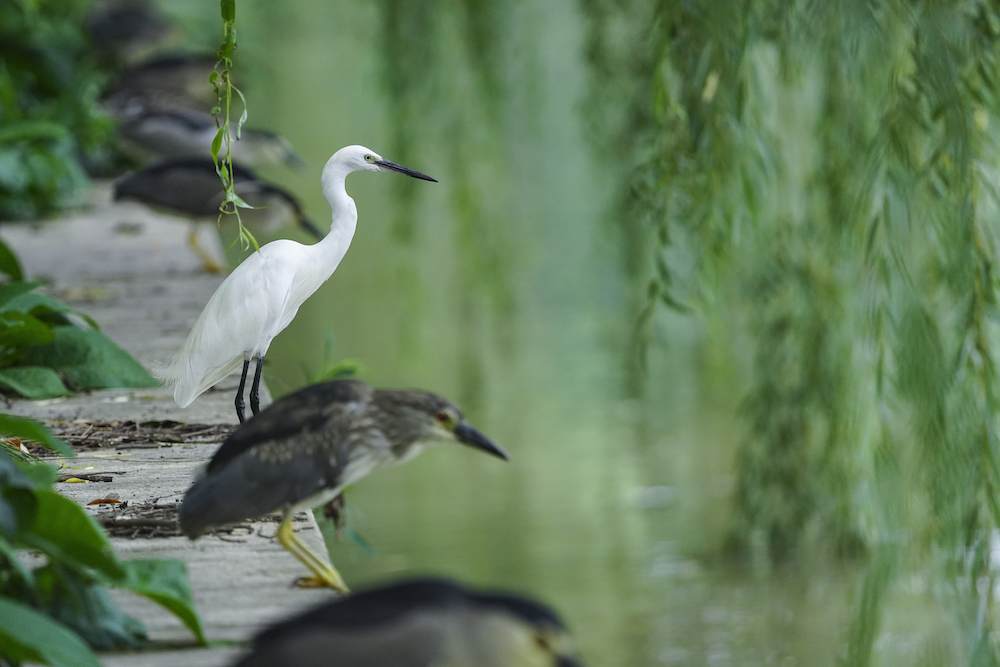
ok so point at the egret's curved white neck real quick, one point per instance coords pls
(344, 210)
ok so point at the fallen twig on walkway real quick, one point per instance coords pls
(83, 435)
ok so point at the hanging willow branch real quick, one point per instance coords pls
(830, 171)
(221, 79)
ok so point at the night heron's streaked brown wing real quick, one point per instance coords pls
(319, 406)
(290, 452)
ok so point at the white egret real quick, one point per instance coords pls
(261, 297)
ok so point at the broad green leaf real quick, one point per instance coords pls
(89, 359)
(27, 429)
(165, 582)
(33, 382)
(18, 509)
(16, 289)
(63, 527)
(9, 263)
(27, 635)
(86, 607)
(42, 475)
(29, 301)
(18, 329)
(18, 567)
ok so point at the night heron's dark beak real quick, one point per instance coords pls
(398, 168)
(473, 438)
(565, 661)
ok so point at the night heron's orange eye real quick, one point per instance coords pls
(443, 417)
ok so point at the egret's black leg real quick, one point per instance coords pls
(255, 388)
(239, 392)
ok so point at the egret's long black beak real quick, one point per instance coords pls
(473, 438)
(392, 166)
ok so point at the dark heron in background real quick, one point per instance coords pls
(123, 30)
(179, 74)
(304, 449)
(418, 623)
(190, 187)
(163, 124)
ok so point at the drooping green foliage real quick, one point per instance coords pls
(50, 124)
(222, 81)
(820, 180)
(52, 612)
(47, 349)
(422, 42)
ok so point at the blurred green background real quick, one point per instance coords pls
(720, 276)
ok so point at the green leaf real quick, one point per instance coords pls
(16, 565)
(217, 143)
(243, 116)
(18, 506)
(228, 10)
(27, 635)
(27, 429)
(41, 304)
(18, 329)
(86, 607)
(66, 532)
(16, 289)
(9, 263)
(42, 475)
(31, 130)
(34, 382)
(89, 359)
(165, 582)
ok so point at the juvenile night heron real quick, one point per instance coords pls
(305, 448)
(190, 186)
(164, 125)
(180, 74)
(418, 623)
(263, 294)
(124, 30)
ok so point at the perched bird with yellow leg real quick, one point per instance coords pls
(304, 449)
(418, 623)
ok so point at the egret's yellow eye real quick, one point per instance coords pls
(369, 158)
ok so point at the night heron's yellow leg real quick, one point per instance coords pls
(325, 573)
(210, 263)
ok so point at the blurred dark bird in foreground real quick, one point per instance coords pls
(191, 187)
(122, 31)
(418, 623)
(161, 124)
(304, 449)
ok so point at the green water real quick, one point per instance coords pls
(501, 287)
